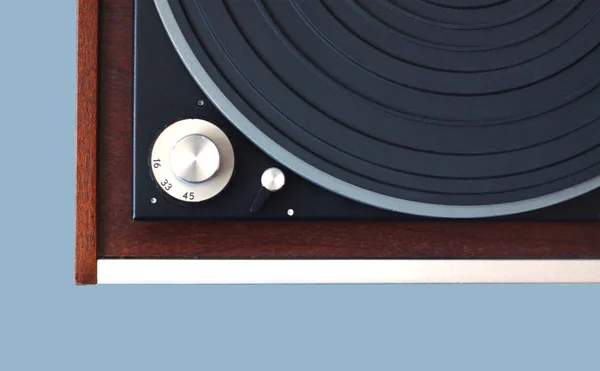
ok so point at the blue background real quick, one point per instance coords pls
(48, 323)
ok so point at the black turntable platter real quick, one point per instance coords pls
(449, 108)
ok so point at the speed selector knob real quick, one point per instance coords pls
(195, 158)
(192, 160)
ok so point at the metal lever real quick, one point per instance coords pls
(272, 180)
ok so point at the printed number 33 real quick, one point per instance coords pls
(166, 184)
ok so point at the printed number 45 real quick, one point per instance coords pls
(189, 196)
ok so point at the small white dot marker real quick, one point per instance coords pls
(290, 212)
(153, 200)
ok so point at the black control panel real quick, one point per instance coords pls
(166, 94)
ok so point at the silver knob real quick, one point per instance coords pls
(192, 160)
(272, 179)
(195, 158)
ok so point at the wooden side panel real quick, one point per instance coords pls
(86, 146)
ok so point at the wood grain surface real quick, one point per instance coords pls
(120, 237)
(86, 149)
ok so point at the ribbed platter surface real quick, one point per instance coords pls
(457, 108)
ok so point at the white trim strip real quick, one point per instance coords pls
(140, 271)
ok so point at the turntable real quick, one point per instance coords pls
(368, 109)
(384, 115)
